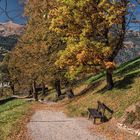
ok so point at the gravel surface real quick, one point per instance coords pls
(52, 125)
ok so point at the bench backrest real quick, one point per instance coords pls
(102, 108)
(108, 109)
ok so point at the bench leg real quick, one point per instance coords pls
(102, 119)
(89, 116)
(94, 121)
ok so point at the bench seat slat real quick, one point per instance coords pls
(95, 113)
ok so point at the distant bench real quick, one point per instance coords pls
(99, 113)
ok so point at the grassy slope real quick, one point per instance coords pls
(125, 93)
(11, 114)
(125, 69)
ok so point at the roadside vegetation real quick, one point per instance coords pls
(12, 113)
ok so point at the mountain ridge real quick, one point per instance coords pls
(9, 34)
(11, 28)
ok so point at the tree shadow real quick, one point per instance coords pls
(85, 91)
(7, 100)
(52, 121)
(89, 88)
(124, 83)
(103, 90)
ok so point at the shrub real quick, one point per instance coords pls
(131, 117)
(138, 112)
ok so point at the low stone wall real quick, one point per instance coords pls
(128, 129)
(132, 127)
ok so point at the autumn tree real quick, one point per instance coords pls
(36, 52)
(69, 37)
(5, 75)
(94, 33)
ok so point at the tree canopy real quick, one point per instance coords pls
(69, 37)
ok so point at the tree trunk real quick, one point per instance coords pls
(43, 88)
(57, 88)
(119, 45)
(109, 79)
(13, 88)
(30, 92)
(35, 94)
(116, 48)
(70, 93)
(2, 88)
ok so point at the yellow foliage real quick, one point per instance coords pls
(76, 36)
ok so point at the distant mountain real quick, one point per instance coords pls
(9, 34)
(131, 48)
(10, 28)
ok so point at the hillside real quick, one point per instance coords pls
(131, 48)
(88, 92)
(70, 70)
(125, 93)
(10, 28)
(9, 33)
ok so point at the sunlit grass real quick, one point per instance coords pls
(11, 114)
(125, 93)
(118, 99)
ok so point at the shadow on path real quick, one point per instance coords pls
(53, 121)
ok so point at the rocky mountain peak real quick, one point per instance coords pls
(9, 33)
(11, 28)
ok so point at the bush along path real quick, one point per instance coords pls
(13, 115)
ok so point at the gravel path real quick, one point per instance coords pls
(52, 125)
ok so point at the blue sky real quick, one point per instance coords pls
(15, 11)
(136, 16)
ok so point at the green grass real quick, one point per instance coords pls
(11, 114)
(96, 78)
(118, 99)
(127, 68)
(125, 93)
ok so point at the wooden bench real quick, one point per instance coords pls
(99, 113)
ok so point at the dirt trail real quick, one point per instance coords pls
(53, 125)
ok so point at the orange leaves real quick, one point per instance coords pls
(81, 57)
(110, 65)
